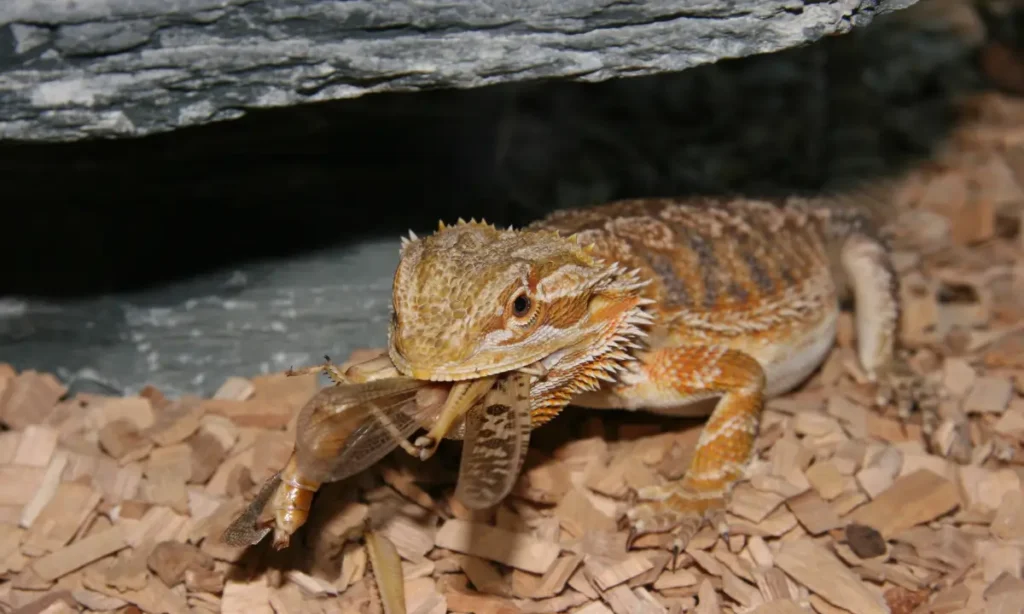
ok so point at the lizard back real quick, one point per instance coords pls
(731, 271)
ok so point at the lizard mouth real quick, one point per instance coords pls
(458, 373)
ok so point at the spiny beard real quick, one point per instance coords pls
(585, 369)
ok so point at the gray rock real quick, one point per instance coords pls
(187, 338)
(108, 68)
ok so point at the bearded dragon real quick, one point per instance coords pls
(651, 305)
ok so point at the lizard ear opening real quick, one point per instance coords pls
(598, 303)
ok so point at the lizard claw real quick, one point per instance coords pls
(900, 385)
(671, 507)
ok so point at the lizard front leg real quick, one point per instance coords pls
(675, 377)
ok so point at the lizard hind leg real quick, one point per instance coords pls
(725, 446)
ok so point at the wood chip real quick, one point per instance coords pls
(48, 487)
(82, 552)
(266, 414)
(1008, 522)
(136, 410)
(826, 479)
(93, 600)
(512, 549)
(246, 598)
(553, 581)
(29, 398)
(544, 482)
(412, 539)
(958, 376)
(779, 606)
(911, 500)
(814, 513)
(176, 423)
(607, 574)
(676, 579)
(594, 607)
(36, 446)
(707, 599)
(753, 504)
(577, 515)
(19, 484)
(485, 578)
(235, 389)
(989, 395)
(823, 573)
(122, 439)
(61, 518)
(462, 599)
(171, 559)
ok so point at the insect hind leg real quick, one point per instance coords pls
(328, 368)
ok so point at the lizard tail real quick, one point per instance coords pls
(874, 209)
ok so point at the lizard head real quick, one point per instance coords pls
(472, 300)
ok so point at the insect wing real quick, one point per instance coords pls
(346, 428)
(244, 530)
(495, 443)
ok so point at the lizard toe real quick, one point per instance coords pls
(675, 510)
(901, 386)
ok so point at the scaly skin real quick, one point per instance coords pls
(650, 304)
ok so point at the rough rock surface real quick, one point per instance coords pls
(71, 69)
(188, 337)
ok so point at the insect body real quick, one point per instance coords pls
(348, 427)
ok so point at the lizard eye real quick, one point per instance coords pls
(521, 306)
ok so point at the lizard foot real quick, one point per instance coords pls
(668, 507)
(900, 385)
